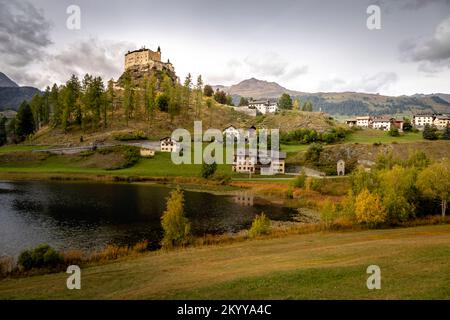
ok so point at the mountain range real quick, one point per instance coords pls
(12, 95)
(343, 103)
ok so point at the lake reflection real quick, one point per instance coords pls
(88, 216)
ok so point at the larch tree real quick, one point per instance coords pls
(434, 182)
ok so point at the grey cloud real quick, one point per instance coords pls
(24, 33)
(433, 53)
(93, 56)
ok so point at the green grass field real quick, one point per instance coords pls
(374, 136)
(414, 264)
(158, 166)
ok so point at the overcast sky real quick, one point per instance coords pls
(308, 46)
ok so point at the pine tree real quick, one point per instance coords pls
(285, 101)
(24, 121)
(198, 95)
(111, 98)
(446, 133)
(429, 132)
(3, 135)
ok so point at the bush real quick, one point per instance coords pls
(430, 132)
(328, 213)
(299, 181)
(313, 184)
(136, 135)
(313, 152)
(6, 266)
(208, 170)
(260, 226)
(43, 256)
(393, 132)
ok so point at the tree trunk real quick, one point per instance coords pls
(444, 207)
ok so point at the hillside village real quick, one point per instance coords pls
(148, 80)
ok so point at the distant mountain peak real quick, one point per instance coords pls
(257, 88)
(7, 82)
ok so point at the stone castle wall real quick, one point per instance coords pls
(141, 57)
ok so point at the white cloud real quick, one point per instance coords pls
(368, 83)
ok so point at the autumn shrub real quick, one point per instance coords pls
(313, 184)
(299, 181)
(73, 257)
(369, 209)
(6, 266)
(260, 226)
(141, 247)
(328, 213)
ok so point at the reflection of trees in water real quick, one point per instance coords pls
(91, 215)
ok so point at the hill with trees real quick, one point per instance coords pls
(343, 103)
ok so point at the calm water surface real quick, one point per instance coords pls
(88, 216)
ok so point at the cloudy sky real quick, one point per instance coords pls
(303, 45)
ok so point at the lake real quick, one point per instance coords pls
(88, 216)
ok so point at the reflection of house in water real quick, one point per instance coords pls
(244, 199)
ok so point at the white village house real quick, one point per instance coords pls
(264, 106)
(422, 119)
(169, 145)
(364, 121)
(440, 121)
(231, 133)
(382, 123)
(265, 164)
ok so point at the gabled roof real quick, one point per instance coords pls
(230, 126)
(167, 139)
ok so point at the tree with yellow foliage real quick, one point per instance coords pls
(175, 225)
(369, 209)
(434, 182)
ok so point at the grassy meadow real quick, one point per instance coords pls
(331, 265)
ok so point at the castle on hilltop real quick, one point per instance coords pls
(146, 58)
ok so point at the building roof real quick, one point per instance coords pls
(383, 119)
(363, 118)
(230, 126)
(271, 153)
(166, 139)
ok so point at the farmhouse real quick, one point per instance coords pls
(231, 133)
(351, 122)
(442, 121)
(169, 145)
(438, 120)
(147, 152)
(422, 119)
(264, 106)
(383, 123)
(364, 122)
(264, 164)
